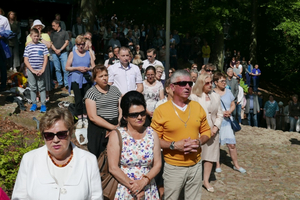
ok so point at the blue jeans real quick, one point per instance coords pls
(248, 79)
(252, 117)
(61, 60)
(255, 84)
(292, 124)
(238, 112)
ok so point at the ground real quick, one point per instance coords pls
(270, 157)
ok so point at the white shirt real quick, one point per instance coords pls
(240, 94)
(4, 24)
(106, 63)
(147, 63)
(125, 79)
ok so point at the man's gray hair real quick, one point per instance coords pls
(194, 71)
(179, 73)
(229, 69)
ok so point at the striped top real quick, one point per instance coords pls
(35, 54)
(107, 104)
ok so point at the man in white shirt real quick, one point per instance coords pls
(151, 55)
(4, 25)
(238, 70)
(124, 75)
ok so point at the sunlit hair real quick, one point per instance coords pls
(56, 21)
(54, 115)
(218, 75)
(194, 71)
(209, 66)
(33, 31)
(159, 67)
(124, 49)
(200, 82)
(97, 69)
(80, 39)
(167, 84)
(179, 73)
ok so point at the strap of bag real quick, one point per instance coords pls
(223, 104)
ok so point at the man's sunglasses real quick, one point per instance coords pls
(183, 83)
(135, 115)
(60, 134)
(209, 70)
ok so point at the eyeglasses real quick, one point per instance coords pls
(135, 115)
(60, 134)
(209, 70)
(149, 75)
(207, 83)
(183, 83)
(160, 72)
(222, 81)
(82, 44)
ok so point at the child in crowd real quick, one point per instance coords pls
(35, 58)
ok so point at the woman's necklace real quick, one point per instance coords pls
(180, 118)
(63, 165)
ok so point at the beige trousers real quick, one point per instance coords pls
(177, 178)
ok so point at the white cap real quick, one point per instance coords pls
(280, 103)
(37, 22)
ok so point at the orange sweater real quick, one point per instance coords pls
(170, 128)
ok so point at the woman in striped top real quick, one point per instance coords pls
(102, 105)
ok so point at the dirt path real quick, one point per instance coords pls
(271, 159)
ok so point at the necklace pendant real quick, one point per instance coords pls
(184, 125)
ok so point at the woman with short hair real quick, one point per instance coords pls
(59, 169)
(79, 66)
(226, 133)
(102, 105)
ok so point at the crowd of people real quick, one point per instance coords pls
(168, 127)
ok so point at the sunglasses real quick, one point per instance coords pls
(207, 83)
(135, 115)
(60, 134)
(209, 70)
(82, 44)
(222, 81)
(183, 83)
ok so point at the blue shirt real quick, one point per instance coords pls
(256, 71)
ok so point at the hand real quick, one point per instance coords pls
(35, 72)
(137, 186)
(179, 145)
(226, 113)
(258, 111)
(140, 195)
(214, 131)
(82, 69)
(191, 146)
(57, 51)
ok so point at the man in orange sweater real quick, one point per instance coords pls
(182, 128)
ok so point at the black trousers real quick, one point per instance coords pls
(78, 96)
(96, 137)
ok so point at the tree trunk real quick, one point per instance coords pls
(253, 45)
(88, 11)
(218, 54)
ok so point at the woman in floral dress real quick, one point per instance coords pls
(140, 160)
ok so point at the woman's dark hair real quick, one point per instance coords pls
(218, 75)
(129, 99)
(98, 68)
(150, 68)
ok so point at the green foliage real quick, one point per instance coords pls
(243, 85)
(12, 148)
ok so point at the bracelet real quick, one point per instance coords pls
(199, 142)
(144, 176)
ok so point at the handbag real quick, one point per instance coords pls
(234, 124)
(108, 181)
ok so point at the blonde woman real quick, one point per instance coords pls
(210, 101)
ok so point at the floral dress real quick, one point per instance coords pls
(136, 161)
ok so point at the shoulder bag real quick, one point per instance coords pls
(234, 124)
(108, 181)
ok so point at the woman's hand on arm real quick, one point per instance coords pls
(92, 114)
(113, 155)
(138, 185)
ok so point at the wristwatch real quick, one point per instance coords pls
(172, 146)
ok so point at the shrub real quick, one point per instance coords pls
(13, 145)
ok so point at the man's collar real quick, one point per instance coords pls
(128, 67)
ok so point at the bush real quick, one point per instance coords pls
(12, 148)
